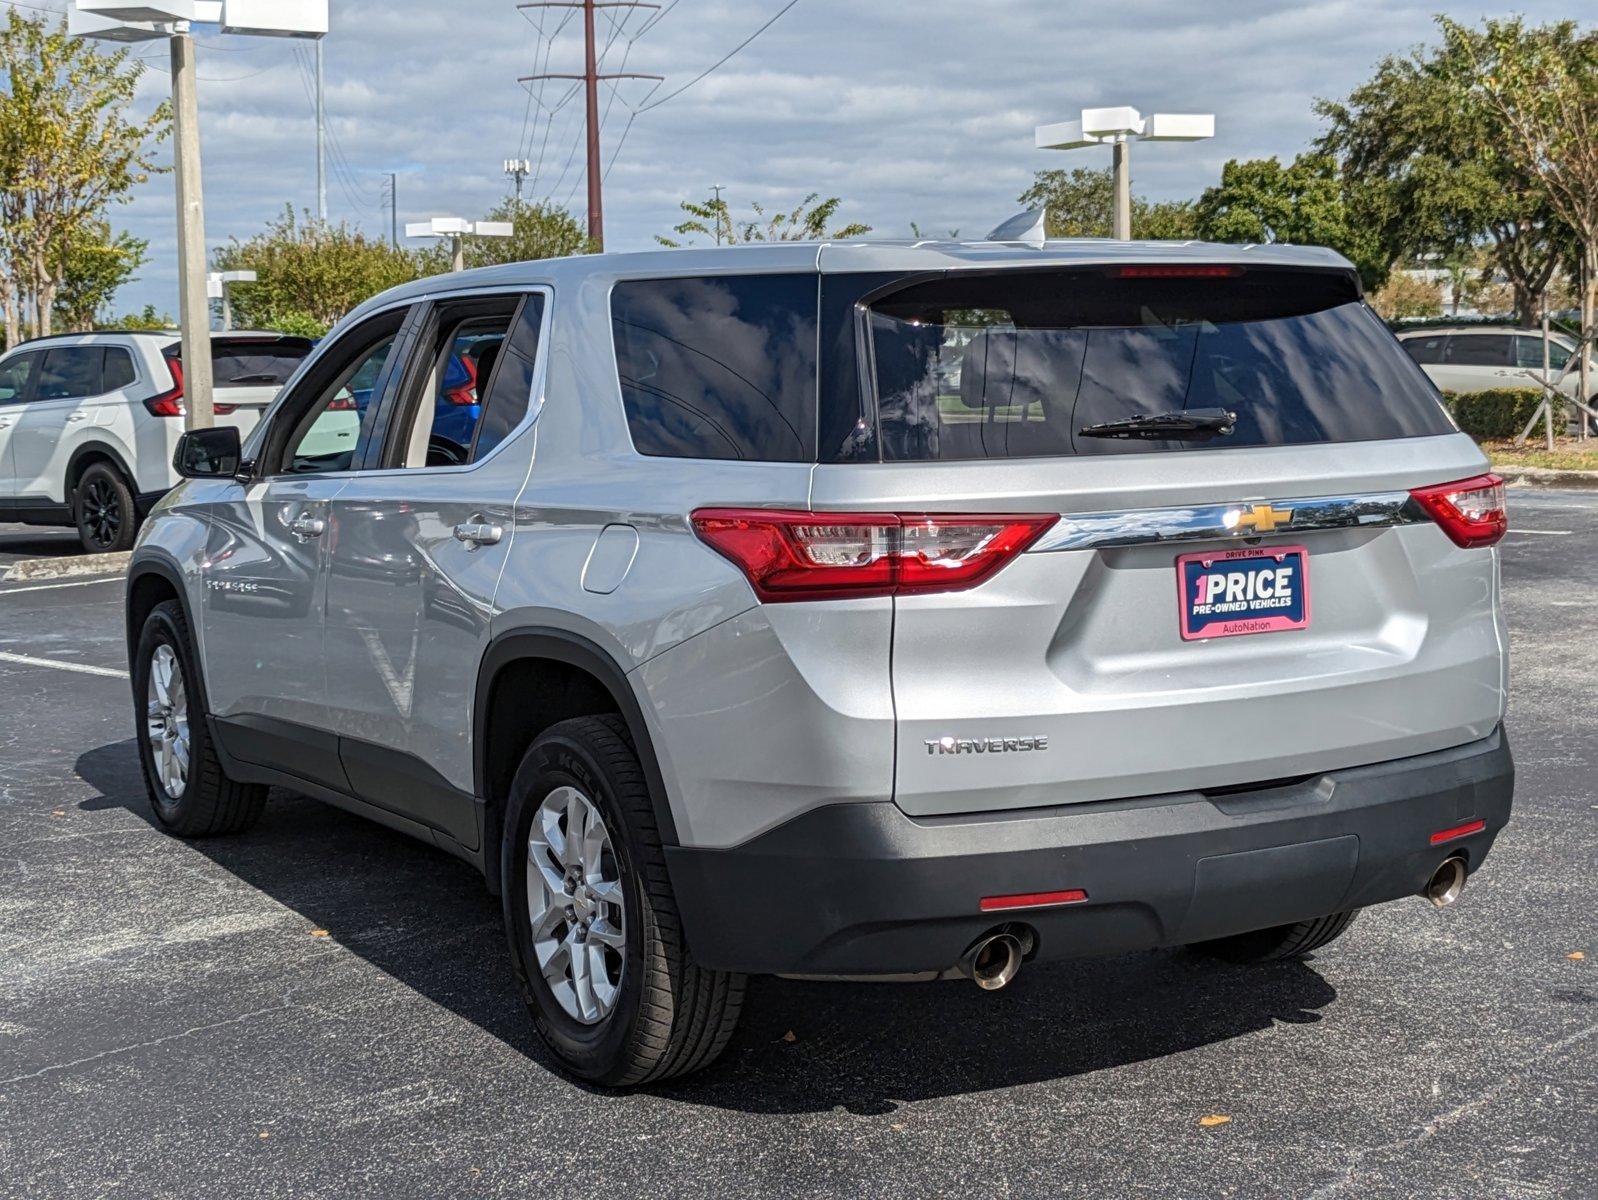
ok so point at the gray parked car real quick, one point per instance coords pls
(887, 610)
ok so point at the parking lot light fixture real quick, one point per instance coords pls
(456, 229)
(219, 286)
(1118, 128)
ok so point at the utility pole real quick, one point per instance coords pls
(194, 306)
(718, 188)
(321, 141)
(393, 210)
(518, 169)
(591, 79)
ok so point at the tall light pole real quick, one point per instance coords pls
(1119, 127)
(321, 141)
(148, 20)
(456, 230)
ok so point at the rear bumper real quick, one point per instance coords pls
(863, 889)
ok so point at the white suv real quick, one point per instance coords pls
(89, 421)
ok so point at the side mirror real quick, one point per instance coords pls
(208, 453)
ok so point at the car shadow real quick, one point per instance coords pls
(425, 919)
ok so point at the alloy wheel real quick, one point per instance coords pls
(576, 905)
(100, 512)
(167, 721)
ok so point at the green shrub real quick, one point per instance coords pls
(1498, 413)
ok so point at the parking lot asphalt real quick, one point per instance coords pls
(324, 1008)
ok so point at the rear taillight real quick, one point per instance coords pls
(833, 556)
(341, 404)
(169, 403)
(1470, 511)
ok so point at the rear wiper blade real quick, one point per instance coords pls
(263, 377)
(1194, 422)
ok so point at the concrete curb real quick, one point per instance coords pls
(66, 568)
(1547, 477)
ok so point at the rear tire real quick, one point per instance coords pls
(644, 1010)
(1280, 941)
(104, 510)
(191, 794)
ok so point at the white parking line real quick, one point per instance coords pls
(1546, 532)
(48, 587)
(27, 660)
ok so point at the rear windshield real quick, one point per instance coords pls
(254, 362)
(1017, 365)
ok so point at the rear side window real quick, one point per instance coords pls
(70, 373)
(719, 367)
(1529, 353)
(1018, 364)
(1481, 350)
(118, 371)
(256, 362)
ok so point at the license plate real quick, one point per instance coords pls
(1227, 593)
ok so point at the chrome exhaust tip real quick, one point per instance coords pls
(993, 961)
(1447, 882)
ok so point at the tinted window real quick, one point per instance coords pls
(511, 386)
(444, 401)
(1018, 364)
(14, 376)
(1529, 354)
(256, 362)
(69, 373)
(719, 367)
(118, 372)
(1428, 351)
(328, 434)
(1480, 350)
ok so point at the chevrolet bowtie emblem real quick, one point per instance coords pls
(1261, 518)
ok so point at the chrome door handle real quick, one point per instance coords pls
(305, 527)
(478, 533)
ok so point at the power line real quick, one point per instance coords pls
(722, 61)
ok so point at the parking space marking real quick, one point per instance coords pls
(1546, 532)
(48, 587)
(27, 660)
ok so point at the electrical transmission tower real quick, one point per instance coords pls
(591, 78)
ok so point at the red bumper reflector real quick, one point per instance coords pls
(1033, 900)
(1458, 831)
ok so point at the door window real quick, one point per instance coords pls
(1427, 351)
(328, 418)
(14, 376)
(1480, 350)
(70, 373)
(470, 384)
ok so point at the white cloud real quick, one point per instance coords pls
(916, 112)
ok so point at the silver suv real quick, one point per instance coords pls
(910, 611)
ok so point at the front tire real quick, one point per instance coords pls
(1280, 941)
(190, 792)
(104, 510)
(595, 938)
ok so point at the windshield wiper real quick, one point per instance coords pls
(1193, 423)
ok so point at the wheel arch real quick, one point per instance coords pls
(151, 581)
(89, 453)
(558, 675)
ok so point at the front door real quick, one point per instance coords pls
(416, 547)
(16, 375)
(264, 576)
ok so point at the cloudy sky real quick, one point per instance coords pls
(909, 111)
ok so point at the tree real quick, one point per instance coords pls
(68, 150)
(1426, 162)
(1081, 203)
(147, 319)
(1405, 295)
(309, 274)
(808, 222)
(1540, 87)
(541, 231)
(93, 264)
(1303, 204)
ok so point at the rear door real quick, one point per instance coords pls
(416, 545)
(1101, 662)
(1475, 362)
